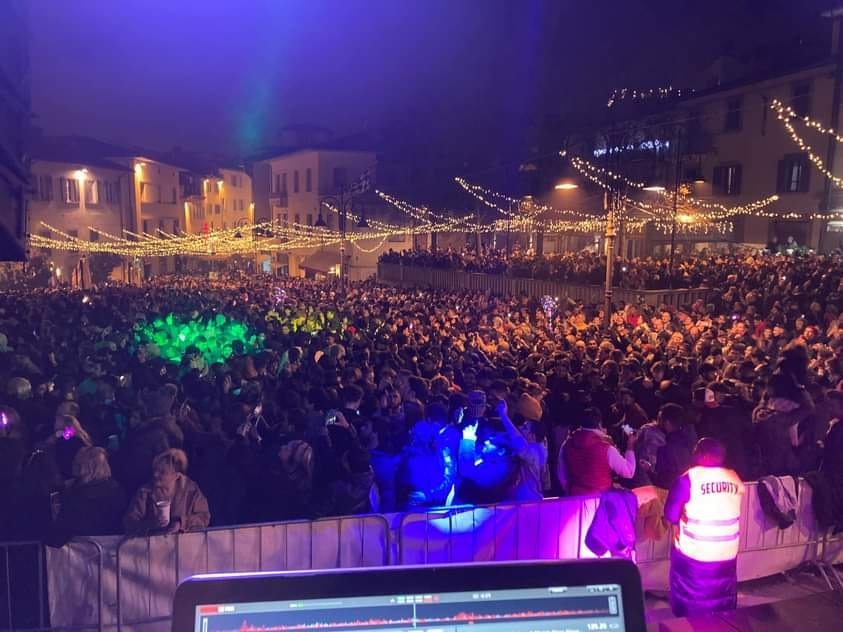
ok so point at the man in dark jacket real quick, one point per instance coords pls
(776, 421)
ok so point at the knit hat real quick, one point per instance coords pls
(529, 407)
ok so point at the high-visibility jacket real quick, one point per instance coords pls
(710, 528)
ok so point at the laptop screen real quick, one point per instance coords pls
(548, 609)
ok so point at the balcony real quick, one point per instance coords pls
(280, 198)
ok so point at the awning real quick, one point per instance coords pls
(322, 261)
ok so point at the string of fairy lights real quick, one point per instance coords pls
(653, 94)
(693, 216)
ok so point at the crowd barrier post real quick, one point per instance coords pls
(8, 595)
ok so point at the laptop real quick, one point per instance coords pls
(578, 596)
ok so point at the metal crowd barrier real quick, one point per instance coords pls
(142, 573)
(151, 568)
(502, 284)
(25, 604)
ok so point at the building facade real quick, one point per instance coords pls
(14, 128)
(87, 200)
(733, 150)
(299, 182)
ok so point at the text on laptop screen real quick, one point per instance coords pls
(552, 609)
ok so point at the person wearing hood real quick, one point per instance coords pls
(776, 426)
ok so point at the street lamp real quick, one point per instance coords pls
(566, 186)
(342, 202)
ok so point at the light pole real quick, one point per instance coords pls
(509, 230)
(342, 204)
(676, 184)
(608, 202)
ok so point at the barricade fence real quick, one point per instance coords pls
(415, 276)
(128, 583)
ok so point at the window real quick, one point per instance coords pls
(45, 188)
(734, 114)
(727, 180)
(95, 236)
(277, 183)
(308, 180)
(111, 191)
(800, 98)
(216, 209)
(283, 183)
(176, 226)
(69, 190)
(92, 192)
(793, 174)
(340, 177)
(150, 192)
(286, 220)
(297, 218)
(310, 219)
(161, 225)
(173, 196)
(295, 181)
(147, 226)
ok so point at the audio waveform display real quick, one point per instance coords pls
(460, 617)
(403, 617)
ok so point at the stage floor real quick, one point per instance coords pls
(783, 603)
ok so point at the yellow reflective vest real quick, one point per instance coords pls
(710, 528)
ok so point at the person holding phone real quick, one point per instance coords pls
(588, 459)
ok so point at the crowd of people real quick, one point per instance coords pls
(377, 398)
(589, 268)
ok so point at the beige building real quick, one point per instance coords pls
(298, 183)
(83, 199)
(735, 151)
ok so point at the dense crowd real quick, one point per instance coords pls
(383, 399)
(589, 268)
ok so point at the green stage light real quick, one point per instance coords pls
(213, 337)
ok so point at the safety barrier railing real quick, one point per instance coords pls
(25, 587)
(128, 583)
(148, 570)
(417, 276)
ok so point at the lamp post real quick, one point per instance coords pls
(676, 184)
(509, 228)
(608, 202)
(343, 202)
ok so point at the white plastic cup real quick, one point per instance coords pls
(162, 510)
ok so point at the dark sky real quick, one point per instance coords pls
(225, 75)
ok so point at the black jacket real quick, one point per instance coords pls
(89, 509)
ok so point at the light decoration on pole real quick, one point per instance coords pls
(705, 210)
(786, 115)
(483, 194)
(631, 94)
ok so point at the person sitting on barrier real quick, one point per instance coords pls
(170, 502)
(588, 458)
(93, 503)
(704, 505)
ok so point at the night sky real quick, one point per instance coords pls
(225, 75)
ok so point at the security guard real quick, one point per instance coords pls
(704, 505)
